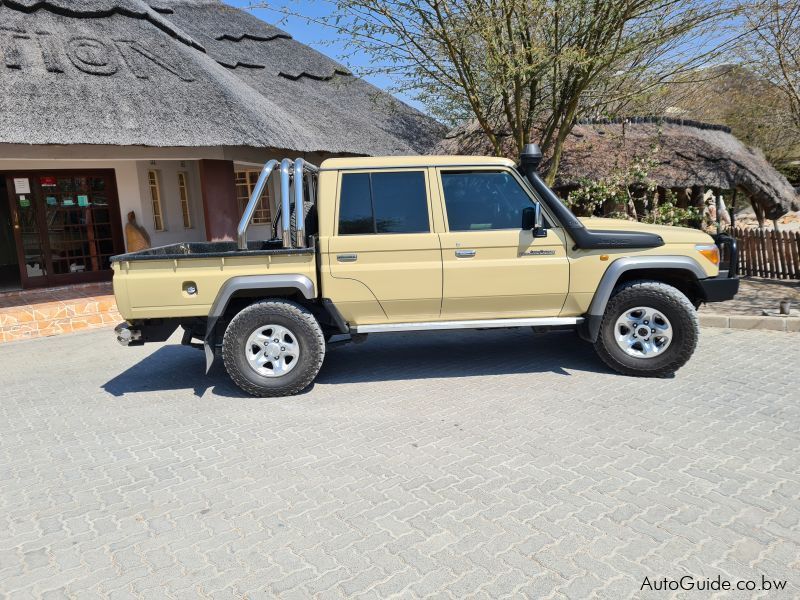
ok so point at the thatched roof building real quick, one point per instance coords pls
(166, 109)
(172, 73)
(689, 154)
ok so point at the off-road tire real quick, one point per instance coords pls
(662, 297)
(285, 313)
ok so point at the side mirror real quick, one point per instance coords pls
(533, 221)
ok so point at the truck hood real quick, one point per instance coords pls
(670, 235)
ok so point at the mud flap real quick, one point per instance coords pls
(211, 356)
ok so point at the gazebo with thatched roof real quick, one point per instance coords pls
(689, 158)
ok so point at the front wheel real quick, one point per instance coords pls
(273, 348)
(649, 329)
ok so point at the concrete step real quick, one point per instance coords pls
(55, 311)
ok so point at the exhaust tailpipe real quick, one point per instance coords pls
(128, 336)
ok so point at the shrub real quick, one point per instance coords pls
(631, 194)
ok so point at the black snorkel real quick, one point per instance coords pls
(585, 239)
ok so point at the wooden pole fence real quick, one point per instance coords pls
(767, 253)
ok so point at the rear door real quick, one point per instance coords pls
(492, 267)
(384, 252)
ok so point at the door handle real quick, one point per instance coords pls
(465, 253)
(347, 257)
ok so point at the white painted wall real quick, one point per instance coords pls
(170, 202)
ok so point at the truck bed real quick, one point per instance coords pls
(157, 283)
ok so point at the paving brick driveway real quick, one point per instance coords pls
(481, 464)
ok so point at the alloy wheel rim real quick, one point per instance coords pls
(643, 332)
(272, 350)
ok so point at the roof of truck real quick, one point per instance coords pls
(380, 162)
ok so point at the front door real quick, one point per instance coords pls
(384, 259)
(66, 225)
(492, 268)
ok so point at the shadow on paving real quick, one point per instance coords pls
(173, 367)
(383, 357)
(418, 355)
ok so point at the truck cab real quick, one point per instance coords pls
(374, 245)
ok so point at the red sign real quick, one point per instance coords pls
(47, 180)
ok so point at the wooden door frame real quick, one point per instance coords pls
(11, 197)
(14, 226)
(115, 217)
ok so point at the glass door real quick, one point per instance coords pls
(26, 214)
(69, 227)
(79, 230)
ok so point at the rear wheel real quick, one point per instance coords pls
(649, 329)
(273, 348)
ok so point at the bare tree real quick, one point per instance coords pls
(773, 51)
(735, 94)
(526, 69)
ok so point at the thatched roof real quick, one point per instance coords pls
(689, 154)
(185, 73)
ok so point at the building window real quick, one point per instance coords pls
(155, 200)
(245, 184)
(183, 190)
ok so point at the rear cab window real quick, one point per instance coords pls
(383, 202)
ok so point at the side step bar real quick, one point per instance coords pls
(478, 324)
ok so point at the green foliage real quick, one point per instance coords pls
(592, 195)
(617, 195)
(668, 213)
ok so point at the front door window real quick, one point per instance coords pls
(483, 200)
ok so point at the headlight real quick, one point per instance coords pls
(710, 251)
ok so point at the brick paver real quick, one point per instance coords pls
(480, 464)
(757, 295)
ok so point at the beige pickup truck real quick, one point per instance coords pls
(374, 245)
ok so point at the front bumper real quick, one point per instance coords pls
(725, 285)
(719, 289)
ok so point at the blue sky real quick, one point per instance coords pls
(321, 38)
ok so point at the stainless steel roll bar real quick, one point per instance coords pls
(286, 217)
(292, 175)
(302, 168)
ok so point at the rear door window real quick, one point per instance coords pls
(383, 202)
